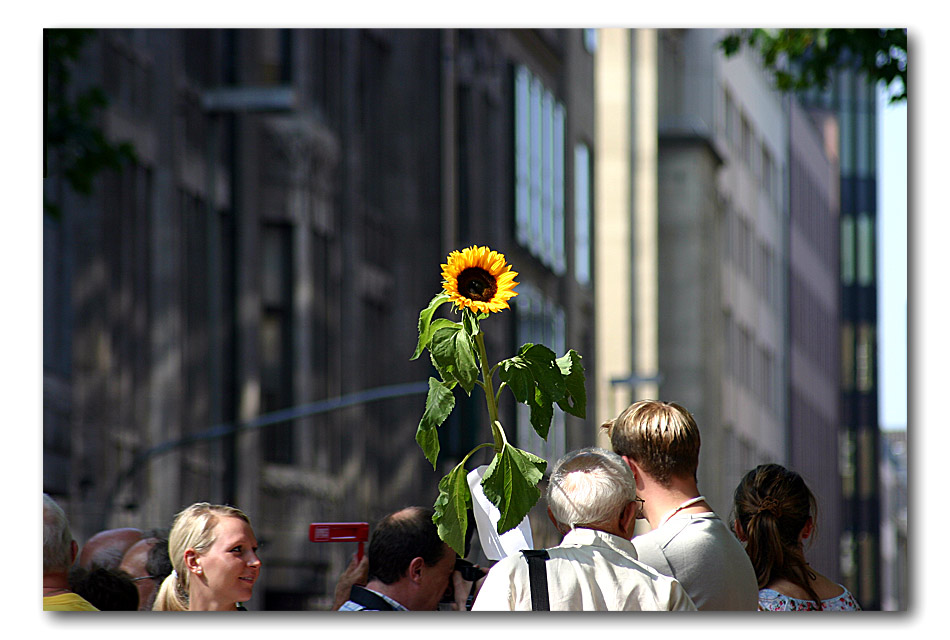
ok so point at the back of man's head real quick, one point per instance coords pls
(661, 437)
(57, 538)
(590, 486)
(107, 548)
(106, 589)
(159, 563)
(400, 537)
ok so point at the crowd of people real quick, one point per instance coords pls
(689, 560)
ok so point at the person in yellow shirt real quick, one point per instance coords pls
(59, 553)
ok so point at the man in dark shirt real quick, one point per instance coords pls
(409, 565)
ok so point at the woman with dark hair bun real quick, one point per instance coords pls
(774, 514)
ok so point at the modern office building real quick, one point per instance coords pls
(293, 195)
(853, 101)
(814, 403)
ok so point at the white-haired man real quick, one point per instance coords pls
(592, 501)
(59, 553)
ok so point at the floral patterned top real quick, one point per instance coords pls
(772, 600)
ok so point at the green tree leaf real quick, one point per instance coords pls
(426, 328)
(575, 397)
(803, 59)
(451, 509)
(439, 404)
(453, 351)
(511, 483)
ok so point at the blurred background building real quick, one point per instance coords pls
(230, 317)
(735, 255)
(271, 247)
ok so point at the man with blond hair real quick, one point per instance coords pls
(592, 501)
(660, 443)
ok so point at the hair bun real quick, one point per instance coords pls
(771, 505)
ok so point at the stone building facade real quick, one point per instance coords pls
(270, 249)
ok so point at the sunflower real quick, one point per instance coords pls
(479, 279)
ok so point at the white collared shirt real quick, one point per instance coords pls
(589, 571)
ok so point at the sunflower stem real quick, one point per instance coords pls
(498, 395)
(481, 446)
(489, 391)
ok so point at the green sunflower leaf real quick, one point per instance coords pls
(547, 374)
(470, 322)
(447, 378)
(439, 404)
(451, 509)
(511, 483)
(517, 375)
(454, 355)
(425, 323)
(575, 398)
(542, 412)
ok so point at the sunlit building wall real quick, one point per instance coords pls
(723, 210)
(626, 220)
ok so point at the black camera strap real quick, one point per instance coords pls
(368, 599)
(538, 578)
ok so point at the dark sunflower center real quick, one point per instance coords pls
(477, 284)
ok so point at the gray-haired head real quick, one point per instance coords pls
(57, 538)
(590, 486)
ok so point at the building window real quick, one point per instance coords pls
(744, 246)
(276, 338)
(539, 170)
(768, 175)
(582, 217)
(864, 359)
(847, 250)
(590, 40)
(730, 117)
(847, 357)
(540, 321)
(865, 258)
(746, 143)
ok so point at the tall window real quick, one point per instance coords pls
(276, 338)
(540, 321)
(539, 170)
(582, 206)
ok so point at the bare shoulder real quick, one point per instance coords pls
(825, 588)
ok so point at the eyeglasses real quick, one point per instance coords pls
(146, 578)
(639, 508)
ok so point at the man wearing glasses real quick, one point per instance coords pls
(592, 501)
(148, 564)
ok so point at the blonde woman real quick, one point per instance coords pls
(213, 553)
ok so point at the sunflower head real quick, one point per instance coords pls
(477, 278)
